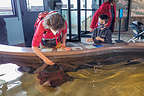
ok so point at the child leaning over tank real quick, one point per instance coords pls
(51, 31)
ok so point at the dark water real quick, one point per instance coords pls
(121, 79)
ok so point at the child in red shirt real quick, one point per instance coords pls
(50, 31)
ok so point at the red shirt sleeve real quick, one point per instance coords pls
(115, 10)
(38, 35)
(94, 21)
(65, 30)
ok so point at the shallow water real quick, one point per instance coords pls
(120, 79)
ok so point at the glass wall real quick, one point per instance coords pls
(86, 14)
(73, 19)
(122, 4)
(87, 10)
(65, 4)
(64, 12)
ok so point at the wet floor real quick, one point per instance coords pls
(103, 80)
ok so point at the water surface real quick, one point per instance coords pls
(120, 79)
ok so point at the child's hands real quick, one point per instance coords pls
(91, 30)
(99, 38)
(89, 40)
(65, 48)
(48, 62)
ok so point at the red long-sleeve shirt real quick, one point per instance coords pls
(39, 34)
(105, 8)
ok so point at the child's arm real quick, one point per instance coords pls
(64, 35)
(96, 15)
(64, 39)
(41, 55)
(93, 36)
(36, 42)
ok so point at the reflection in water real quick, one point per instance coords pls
(108, 80)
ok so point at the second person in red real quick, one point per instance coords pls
(108, 8)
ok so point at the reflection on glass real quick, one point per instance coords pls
(65, 4)
(35, 5)
(6, 7)
(82, 4)
(74, 27)
(89, 19)
(73, 4)
(9, 73)
(74, 22)
(86, 14)
(65, 15)
(120, 78)
(82, 20)
(89, 4)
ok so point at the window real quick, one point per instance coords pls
(35, 5)
(6, 8)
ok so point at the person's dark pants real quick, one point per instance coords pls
(112, 26)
